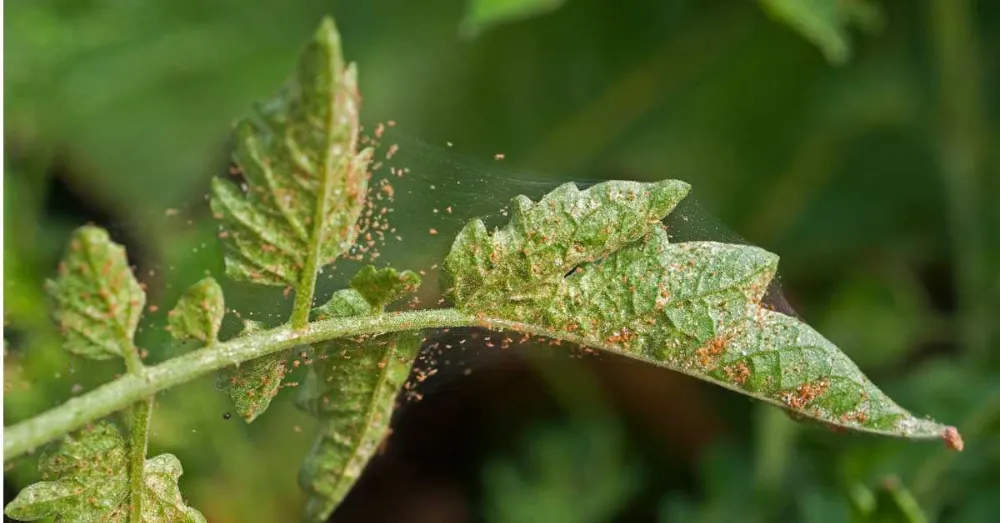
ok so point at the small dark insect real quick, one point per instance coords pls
(226, 415)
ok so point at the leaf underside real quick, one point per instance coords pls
(304, 187)
(198, 313)
(253, 384)
(304, 184)
(596, 267)
(352, 388)
(86, 480)
(98, 301)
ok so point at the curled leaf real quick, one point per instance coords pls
(86, 479)
(198, 313)
(305, 181)
(252, 385)
(352, 388)
(596, 267)
(98, 301)
(380, 287)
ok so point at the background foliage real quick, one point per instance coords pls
(876, 180)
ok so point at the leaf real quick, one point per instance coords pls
(825, 23)
(252, 385)
(573, 473)
(305, 184)
(596, 268)
(352, 388)
(891, 503)
(198, 313)
(161, 499)
(482, 14)
(98, 301)
(544, 241)
(86, 479)
(380, 287)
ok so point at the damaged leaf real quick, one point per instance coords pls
(380, 287)
(351, 388)
(85, 478)
(98, 301)
(198, 313)
(253, 384)
(596, 267)
(305, 181)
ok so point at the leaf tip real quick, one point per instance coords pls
(666, 194)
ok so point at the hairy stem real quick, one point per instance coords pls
(131, 388)
(142, 411)
(304, 298)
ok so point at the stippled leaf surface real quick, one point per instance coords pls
(305, 182)
(352, 388)
(198, 313)
(85, 479)
(380, 287)
(596, 267)
(98, 301)
(253, 384)
(826, 23)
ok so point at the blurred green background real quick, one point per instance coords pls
(858, 140)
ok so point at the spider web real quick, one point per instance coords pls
(421, 196)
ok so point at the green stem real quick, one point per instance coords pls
(304, 292)
(142, 411)
(131, 388)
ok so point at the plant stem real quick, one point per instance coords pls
(142, 411)
(303, 303)
(131, 388)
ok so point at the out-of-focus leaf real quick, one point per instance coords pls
(573, 474)
(86, 479)
(890, 503)
(596, 267)
(825, 23)
(305, 182)
(198, 313)
(380, 287)
(253, 384)
(98, 301)
(481, 14)
(881, 317)
(352, 388)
